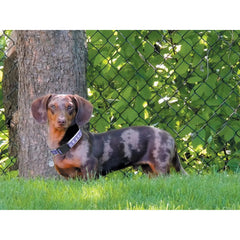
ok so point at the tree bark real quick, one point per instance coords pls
(48, 62)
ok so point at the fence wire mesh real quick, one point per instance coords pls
(186, 82)
(8, 103)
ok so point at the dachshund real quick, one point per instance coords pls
(78, 153)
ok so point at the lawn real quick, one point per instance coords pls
(213, 191)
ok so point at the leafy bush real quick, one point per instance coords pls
(186, 82)
(4, 159)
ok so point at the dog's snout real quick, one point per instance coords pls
(61, 121)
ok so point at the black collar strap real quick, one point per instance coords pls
(67, 146)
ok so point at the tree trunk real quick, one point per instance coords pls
(48, 62)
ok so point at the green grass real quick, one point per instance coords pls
(213, 191)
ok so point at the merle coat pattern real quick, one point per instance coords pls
(98, 154)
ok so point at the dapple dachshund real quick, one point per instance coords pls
(78, 153)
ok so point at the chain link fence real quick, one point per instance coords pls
(186, 82)
(8, 103)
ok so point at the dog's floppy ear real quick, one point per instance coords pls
(39, 108)
(84, 110)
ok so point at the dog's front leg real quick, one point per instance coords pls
(90, 169)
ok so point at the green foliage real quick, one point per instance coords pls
(3, 39)
(186, 82)
(210, 192)
(234, 163)
(5, 161)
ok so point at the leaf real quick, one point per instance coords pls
(199, 50)
(237, 137)
(212, 37)
(107, 33)
(215, 122)
(119, 106)
(215, 59)
(234, 164)
(148, 50)
(101, 124)
(182, 69)
(234, 58)
(128, 51)
(196, 60)
(196, 122)
(126, 93)
(186, 47)
(139, 104)
(194, 79)
(199, 139)
(155, 36)
(225, 71)
(176, 37)
(146, 93)
(98, 60)
(100, 81)
(227, 133)
(130, 114)
(212, 80)
(201, 91)
(184, 131)
(223, 90)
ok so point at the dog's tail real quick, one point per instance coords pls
(177, 164)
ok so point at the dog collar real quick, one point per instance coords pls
(67, 146)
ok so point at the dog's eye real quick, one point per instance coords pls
(69, 108)
(52, 108)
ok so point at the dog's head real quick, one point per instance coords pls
(62, 110)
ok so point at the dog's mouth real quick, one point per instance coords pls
(61, 126)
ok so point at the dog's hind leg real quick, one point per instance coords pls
(155, 167)
(177, 164)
